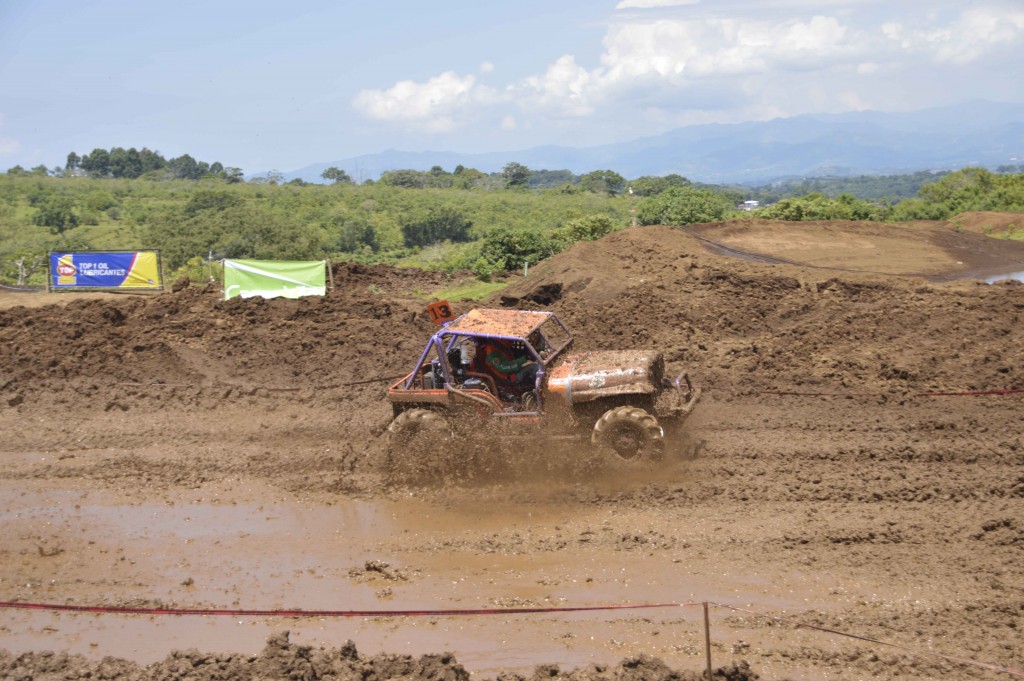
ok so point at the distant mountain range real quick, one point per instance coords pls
(977, 133)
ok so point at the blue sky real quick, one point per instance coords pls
(272, 85)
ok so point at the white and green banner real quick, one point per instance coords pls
(274, 278)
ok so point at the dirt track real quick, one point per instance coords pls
(181, 450)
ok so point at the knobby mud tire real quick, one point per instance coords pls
(414, 439)
(631, 433)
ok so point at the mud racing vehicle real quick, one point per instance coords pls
(511, 373)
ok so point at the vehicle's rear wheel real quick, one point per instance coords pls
(630, 432)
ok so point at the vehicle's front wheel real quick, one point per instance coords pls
(630, 432)
(415, 439)
(415, 428)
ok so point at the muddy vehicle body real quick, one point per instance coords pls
(513, 373)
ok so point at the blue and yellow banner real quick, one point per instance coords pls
(136, 270)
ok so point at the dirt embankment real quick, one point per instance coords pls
(180, 449)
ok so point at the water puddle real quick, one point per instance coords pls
(354, 555)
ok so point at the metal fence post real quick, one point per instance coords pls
(707, 638)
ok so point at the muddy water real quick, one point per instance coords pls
(293, 554)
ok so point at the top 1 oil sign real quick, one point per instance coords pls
(105, 270)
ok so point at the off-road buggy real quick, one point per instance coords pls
(617, 399)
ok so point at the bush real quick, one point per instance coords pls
(435, 225)
(817, 206)
(504, 250)
(682, 206)
(589, 228)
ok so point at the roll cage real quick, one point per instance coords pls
(447, 362)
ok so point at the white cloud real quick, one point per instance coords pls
(683, 66)
(565, 88)
(663, 54)
(433, 105)
(974, 34)
(673, 52)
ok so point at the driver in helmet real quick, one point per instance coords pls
(510, 363)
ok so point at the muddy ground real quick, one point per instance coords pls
(181, 451)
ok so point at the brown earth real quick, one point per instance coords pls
(990, 223)
(182, 451)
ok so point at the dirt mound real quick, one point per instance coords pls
(737, 324)
(281, 659)
(937, 251)
(402, 281)
(990, 223)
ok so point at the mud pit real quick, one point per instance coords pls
(181, 451)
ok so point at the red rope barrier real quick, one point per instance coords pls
(481, 611)
(322, 613)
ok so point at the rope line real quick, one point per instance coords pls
(780, 393)
(119, 610)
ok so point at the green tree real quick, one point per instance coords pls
(208, 199)
(96, 163)
(336, 175)
(509, 249)
(436, 225)
(682, 206)
(417, 179)
(151, 160)
(467, 178)
(58, 214)
(603, 182)
(233, 175)
(21, 265)
(125, 163)
(649, 185)
(354, 232)
(515, 174)
(550, 179)
(817, 206)
(412, 179)
(98, 201)
(256, 230)
(185, 167)
(588, 228)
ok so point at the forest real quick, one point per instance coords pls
(490, 223)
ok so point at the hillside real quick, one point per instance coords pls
(976, 133)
